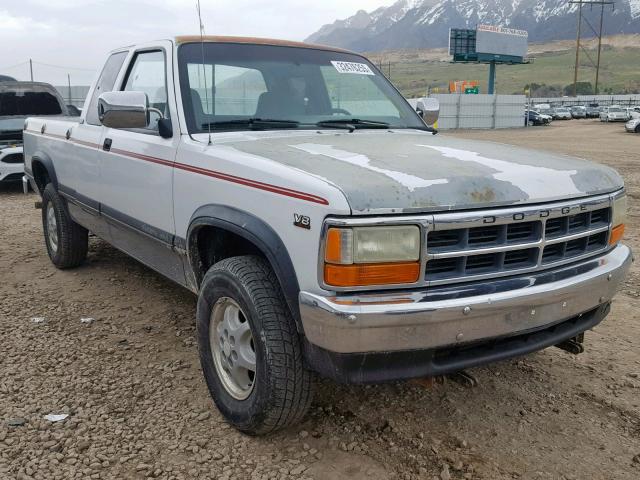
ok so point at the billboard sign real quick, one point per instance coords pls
(501, 41)
(462, 41)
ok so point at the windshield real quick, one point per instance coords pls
(615, 109)
(264, 87)
(28, 103)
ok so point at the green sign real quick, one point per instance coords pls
(472, 90)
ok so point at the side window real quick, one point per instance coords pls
(105, 83)
(147, 74)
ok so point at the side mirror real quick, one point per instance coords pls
(429, 109)
(123, 109)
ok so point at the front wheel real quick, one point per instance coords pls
(67, 242)
(250, 350)
(638, 129)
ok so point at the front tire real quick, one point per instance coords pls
(67, 242)
(250, 350)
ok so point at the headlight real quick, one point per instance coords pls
(363, 256)
(619, 219)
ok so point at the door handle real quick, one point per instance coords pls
(106, 146)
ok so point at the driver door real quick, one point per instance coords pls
(137, 169)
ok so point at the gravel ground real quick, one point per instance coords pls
(129, 379)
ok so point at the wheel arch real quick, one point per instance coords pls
(42, 170)
(255, 232)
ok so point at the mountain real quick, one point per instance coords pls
(425, 23)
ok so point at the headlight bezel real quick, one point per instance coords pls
(619, 217)
(421, 223)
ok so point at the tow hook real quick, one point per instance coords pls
(574, 345)
(463, 378)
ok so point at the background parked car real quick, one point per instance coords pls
(19, 100)
(578, 111)
(614, 113)
(592, 110)
(633, 112)
(549, 111)
(535, 118)
(633, 125)
(562, 113)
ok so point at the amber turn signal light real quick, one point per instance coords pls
(371, 274)
(616, 234)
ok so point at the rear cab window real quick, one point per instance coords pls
(106, 83)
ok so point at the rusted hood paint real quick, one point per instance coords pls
(411, 171)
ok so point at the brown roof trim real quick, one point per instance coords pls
(256, 41)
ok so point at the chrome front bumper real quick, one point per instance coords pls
(442, 317)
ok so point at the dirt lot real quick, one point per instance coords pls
(138, 407)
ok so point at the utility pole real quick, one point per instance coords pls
(69, 87)
(575, 72)
(599, 47)
(31, 68)
(597, 33)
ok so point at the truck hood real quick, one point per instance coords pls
(413, 171)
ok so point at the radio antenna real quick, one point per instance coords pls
(204, 71)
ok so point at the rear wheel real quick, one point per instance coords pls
(250, 350)
(67, 242)
(638, 129)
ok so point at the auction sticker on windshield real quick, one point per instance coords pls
(350, 67)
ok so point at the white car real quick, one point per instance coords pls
(11, 163)
(633, 125)
(633, 112)
(19, 100)
(614, 113)
(563, 114)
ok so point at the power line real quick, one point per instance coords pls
(63, 67)
(14, 66)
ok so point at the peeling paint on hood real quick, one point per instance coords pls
(412, 171)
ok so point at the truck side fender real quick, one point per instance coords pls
(254, 230)
(42, 160)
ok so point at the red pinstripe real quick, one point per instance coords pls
(206, 172)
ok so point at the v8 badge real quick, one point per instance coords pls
(302, 221)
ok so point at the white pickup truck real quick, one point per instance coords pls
(321, 222)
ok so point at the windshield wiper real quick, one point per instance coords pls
(352, 124)
(257, 123)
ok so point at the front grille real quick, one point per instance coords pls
(13, 177)
(462, 247)
(13, 158)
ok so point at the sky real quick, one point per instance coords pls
(77, 34)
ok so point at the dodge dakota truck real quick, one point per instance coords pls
(321, 222)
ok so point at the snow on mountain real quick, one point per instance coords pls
(426, 23)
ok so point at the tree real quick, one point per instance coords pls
(582, 88)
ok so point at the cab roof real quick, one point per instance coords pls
(256, 41)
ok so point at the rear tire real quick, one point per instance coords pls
(638, 129)
(67, 242)
(250, 350)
